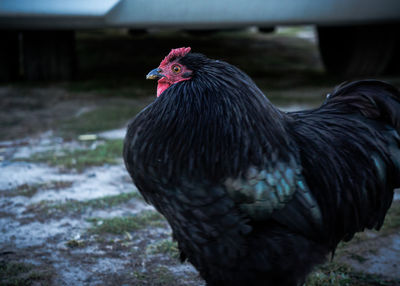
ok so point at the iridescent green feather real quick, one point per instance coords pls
(262, 191)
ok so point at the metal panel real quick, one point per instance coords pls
(191, 14)
(42, 8)
(238, 12)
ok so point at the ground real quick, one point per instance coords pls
(69, 213)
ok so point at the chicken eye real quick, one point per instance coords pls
(176, 69)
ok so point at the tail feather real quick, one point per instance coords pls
(375, 100)
(372, 98)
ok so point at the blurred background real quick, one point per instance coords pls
(72, 73)
(45, 40)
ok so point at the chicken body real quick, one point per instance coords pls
(256, 196)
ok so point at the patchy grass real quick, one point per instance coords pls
(98, 203)
(100, 119)
(120, 225)
(75, 206)
(75, 243)
(164, 246)
(358, 258)
(164, 276)
(160, 276)
(293, 30)
(107, 152)
(336, 274)
(27, 190)
(18, 273)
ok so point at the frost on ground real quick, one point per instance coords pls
(52, 219)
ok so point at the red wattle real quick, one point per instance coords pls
(163, 84)
(161, 87)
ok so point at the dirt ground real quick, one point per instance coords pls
(69, 213)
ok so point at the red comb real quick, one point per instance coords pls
(175, 53)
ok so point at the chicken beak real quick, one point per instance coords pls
(155, 74)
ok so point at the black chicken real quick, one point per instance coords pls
(256, 196)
